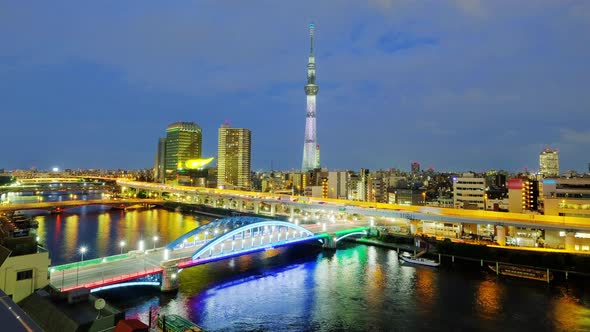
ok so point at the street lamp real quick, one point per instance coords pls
(155, 238)
(121, 245)
(82, 252)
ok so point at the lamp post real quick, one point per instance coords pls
(155, 238)
(122, 245)
(82, 252)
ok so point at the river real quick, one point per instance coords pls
(355, 288)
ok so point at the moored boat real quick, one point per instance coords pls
(522, 272)
(406, 257)
(175, 323)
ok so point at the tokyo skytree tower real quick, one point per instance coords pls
(311, 149)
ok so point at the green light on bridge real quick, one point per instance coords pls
(353, 230)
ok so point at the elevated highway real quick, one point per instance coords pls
(244, 199)
(60, 206)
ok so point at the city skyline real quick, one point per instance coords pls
(460, 85)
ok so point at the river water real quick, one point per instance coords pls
(355, 288)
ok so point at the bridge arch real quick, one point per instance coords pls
(222, 228)
(362, 233)
(250, 227)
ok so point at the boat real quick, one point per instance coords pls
(175, 323)
(522, 272)
(408, 258)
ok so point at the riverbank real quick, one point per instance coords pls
(564, 265)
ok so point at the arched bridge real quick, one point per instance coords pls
(219, 239)
(237, 235)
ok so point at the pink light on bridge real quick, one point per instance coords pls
(115, 280)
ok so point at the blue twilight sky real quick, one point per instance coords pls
(457, 85)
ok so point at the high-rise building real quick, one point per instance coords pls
(415, 168)
(183, 143)
(362, 185)
(160, 160)
(233, 157)
(549, 163)
(523, 195)
(311, 158)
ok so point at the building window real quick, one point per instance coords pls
(22, 275)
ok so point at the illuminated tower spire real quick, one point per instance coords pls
(311, 158)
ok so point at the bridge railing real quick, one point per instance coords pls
(115, 280)
(88, 262)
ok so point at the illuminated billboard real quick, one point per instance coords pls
(197, 163)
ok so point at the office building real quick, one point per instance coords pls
(523, 195)
(469, 192)
(565, 197)
(338, 184)
(233, 157)
(160, 161)
(549, 163)
(415, 168)
(362, 185)
(183, 143)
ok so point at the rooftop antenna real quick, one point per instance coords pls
(311, 29)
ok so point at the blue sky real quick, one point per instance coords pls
(457, 85)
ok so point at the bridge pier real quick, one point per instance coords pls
(169, 277)
(570, 238)
(273, 209)
(414, 226)
(501, 235)
(256, 207)
(291, 211)
(329, 243)
(241, 205)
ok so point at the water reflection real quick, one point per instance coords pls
(426, 287)
(489, 299)
(101, 230)
(569, 312)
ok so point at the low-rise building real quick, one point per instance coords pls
(23, 264)
(565, 197)
(469, 192)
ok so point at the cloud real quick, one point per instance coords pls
(574, 136)
(471, 7)
(394, 42)
(387, 70)
(474, 8)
